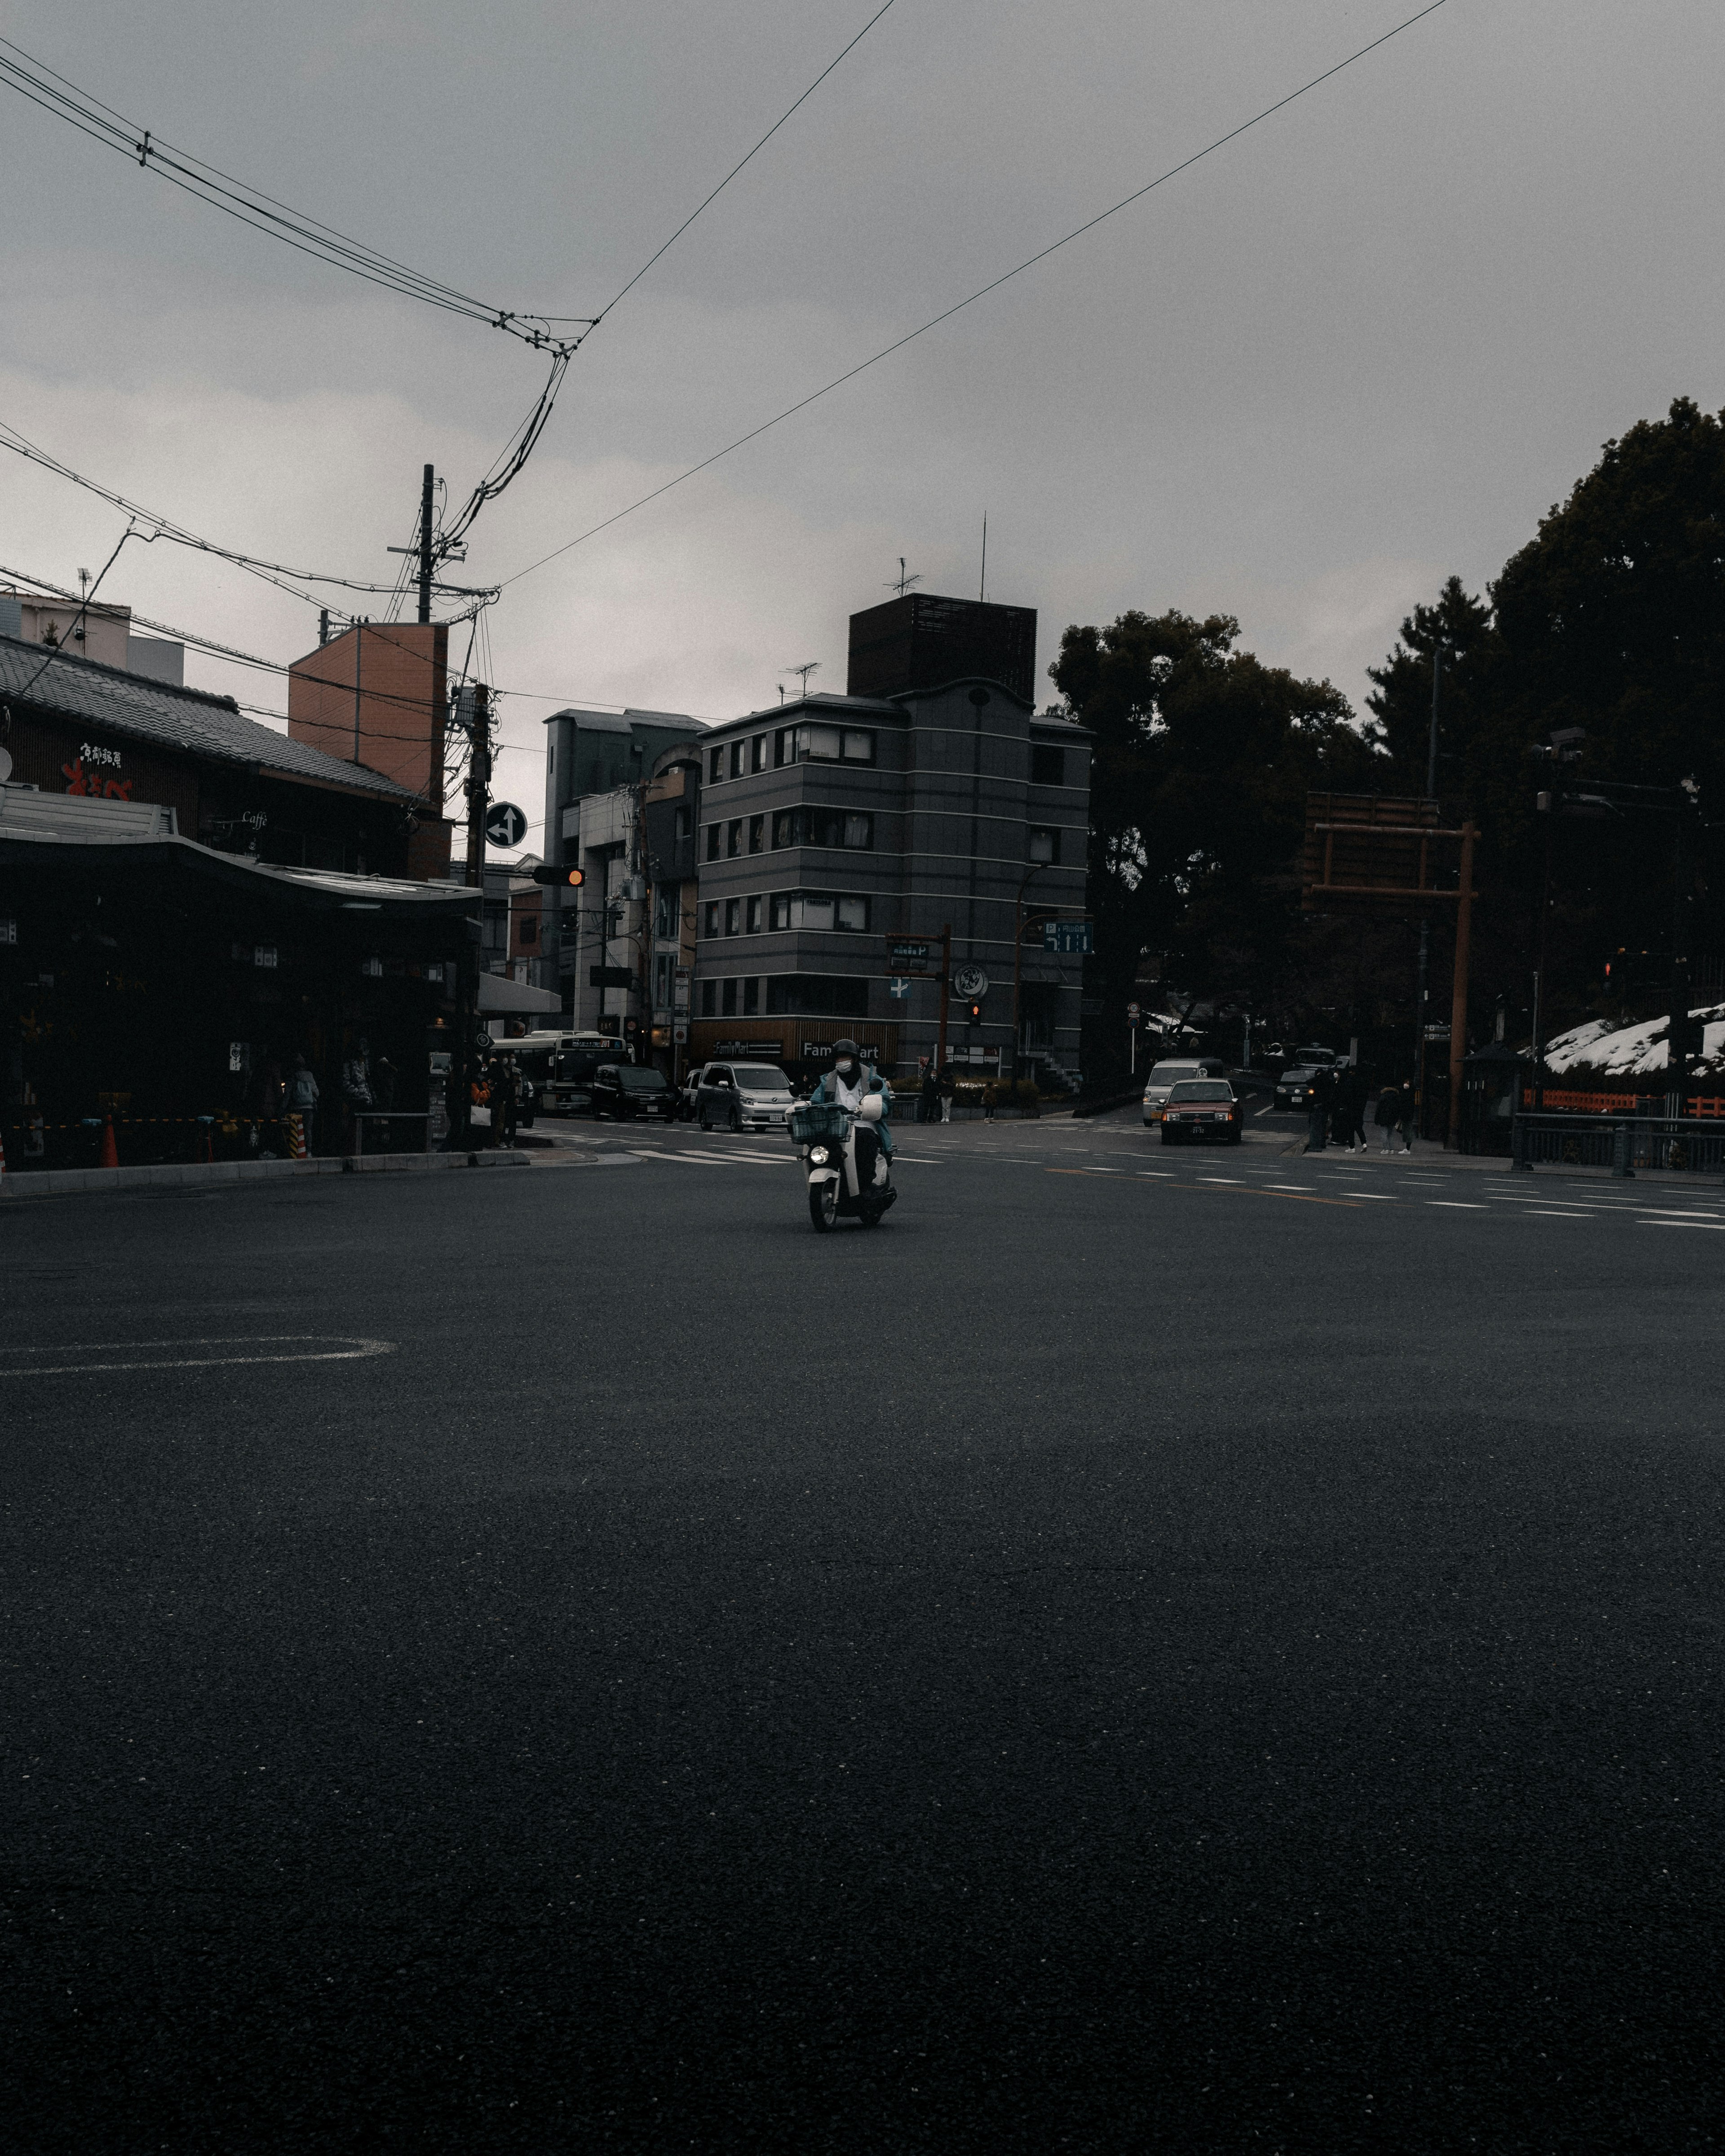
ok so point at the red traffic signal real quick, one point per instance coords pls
(570, 879)
(975, 1011)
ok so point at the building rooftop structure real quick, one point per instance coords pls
(189, 719)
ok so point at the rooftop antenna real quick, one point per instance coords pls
(903, 582)
(780, 692)
(804, 672)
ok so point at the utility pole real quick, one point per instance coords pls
(479, 784)
(1431, 766)
(425, 493)
(1458, 998)
(940, 1053)
(359, 640)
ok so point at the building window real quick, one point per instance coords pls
(757, 835)
(712, 837)
(784, 746)
(733, 837)
(727, 1001)
(715, 766)
(709, 999)
(827, 912)
(1046, 847)
(709, 923)
(754, 916)
(780, 915)
(733, 916)
(1048, 765)
(814, 826)
(758, 753)
(661, 983)
(751, 998)
(667, 913)
(836, 744)
(739, 751)
(816, 995)
(682, 825)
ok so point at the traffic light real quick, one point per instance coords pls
(973, 1014)
(570, 879)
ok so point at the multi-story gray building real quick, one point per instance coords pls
(831, 827)
(598, 767)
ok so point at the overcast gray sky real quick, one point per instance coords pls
(1368, 345)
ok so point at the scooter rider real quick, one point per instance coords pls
(846, 1086)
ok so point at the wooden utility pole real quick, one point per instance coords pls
(1458, 1000)
(479, 783)
(425, 493)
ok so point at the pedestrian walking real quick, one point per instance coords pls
(1389, 1113)
(1317, 1110)
(989, 1100)
(1409, 1116)
(949, 1087)
(356, 1092)
(1341, 1113)
(931, 1108)
(301, 1100)
(1356, 1091)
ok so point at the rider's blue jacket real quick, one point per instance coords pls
(823, 1097)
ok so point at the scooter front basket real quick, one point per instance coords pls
(812, 1121)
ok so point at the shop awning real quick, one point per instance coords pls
(497, 996)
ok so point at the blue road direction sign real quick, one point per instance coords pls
(899, 985)
(1075, 938)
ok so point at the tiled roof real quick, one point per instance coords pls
(187, 719)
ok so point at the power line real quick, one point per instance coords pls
(58, 95)
(981, 292)
(739, 165)
(164, 527)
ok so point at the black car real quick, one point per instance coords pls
(629, 1092)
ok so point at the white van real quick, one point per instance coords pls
(1162, 1081)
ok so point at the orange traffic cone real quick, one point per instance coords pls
(110, 1151)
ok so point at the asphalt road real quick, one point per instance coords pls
(1148, 1650)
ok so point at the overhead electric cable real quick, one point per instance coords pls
(738, 167)
(981, 292)
(164, 527)
(54, 93)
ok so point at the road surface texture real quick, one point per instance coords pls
(1149, 1649)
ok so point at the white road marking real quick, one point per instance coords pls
(1379, 1197)
(1719, 1225)
(1219, 1178)
(1549, 1213)
(1457, 1205)
(692, 1159)
(310, 1348)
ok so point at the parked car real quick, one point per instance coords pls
(1293, 1089)
(1202, 1111)
(742, 1096)
(1162, 1081)
(631, 1093)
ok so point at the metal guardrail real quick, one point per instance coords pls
(1622, 1143)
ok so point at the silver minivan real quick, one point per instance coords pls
(742, 1096)
(1162, 1080)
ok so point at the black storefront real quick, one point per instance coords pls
(158, 988)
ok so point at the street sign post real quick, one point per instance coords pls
(909, 954)
(898, 985)
(504, 824)
(1075, 939)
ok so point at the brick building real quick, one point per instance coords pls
(378, 696)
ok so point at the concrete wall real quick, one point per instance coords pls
(394, 721)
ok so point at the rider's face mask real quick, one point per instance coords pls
(847, 1069)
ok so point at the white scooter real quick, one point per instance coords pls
(826, 1138)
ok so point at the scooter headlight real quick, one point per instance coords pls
(817, 1155)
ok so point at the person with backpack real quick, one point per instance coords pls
(301, 1100)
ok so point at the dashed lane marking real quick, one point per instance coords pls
(1718, 1225)
(290, 1346)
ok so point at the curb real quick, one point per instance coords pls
(201, 1175)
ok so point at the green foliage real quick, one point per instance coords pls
(1202, 760)
(1612, 619)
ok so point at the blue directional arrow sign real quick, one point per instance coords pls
(1075, 938)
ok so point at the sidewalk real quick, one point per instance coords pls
(204, 1175)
